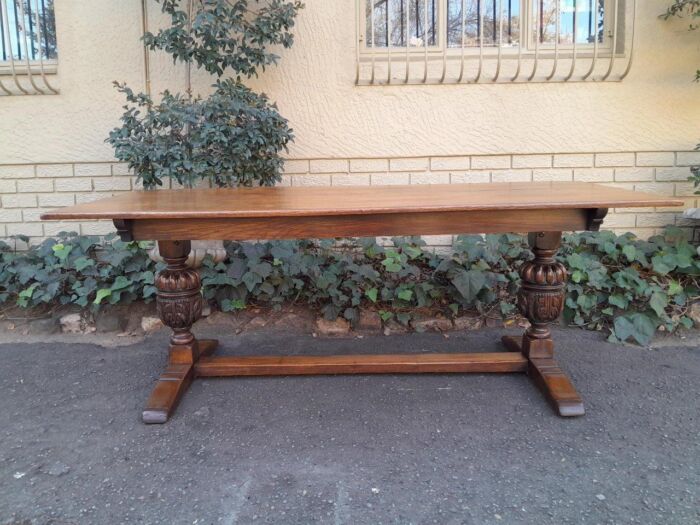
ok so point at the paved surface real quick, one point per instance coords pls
(443, 449)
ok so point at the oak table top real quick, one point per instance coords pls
(361, 200)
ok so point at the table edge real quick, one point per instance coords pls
(59, 214)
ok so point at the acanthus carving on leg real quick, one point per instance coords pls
(179, 300)
(541, 295)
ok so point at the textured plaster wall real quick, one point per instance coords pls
(655, 108)
(637, 133)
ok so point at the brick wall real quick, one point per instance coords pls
(28, 190)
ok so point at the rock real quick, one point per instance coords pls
(58, 469)
(48, 325)
(394, 327)
(206, 310)
(151, 324)
(220, 318)
(202, 412)
(432, 324)
(256, 322)
(468, 322)
(293, 323)
(694, 314)
(492, 322)
(75, 324)
(369, 320)
(338, 327)
(287, 320)
(108, 322)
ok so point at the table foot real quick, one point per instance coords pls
(167, 393)
(556, 386)
(551, 380)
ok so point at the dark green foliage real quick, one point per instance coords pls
(631, 286)
(224, 35)
(234, 136)
(618, 284)
(76, 270)
(230, 138)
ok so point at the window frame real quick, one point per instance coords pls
(527, 48)
(25, 75)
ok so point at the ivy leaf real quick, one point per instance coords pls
(102, 293)
(263, 269)
(637, 326)
(62, 251)
(120, 283)
(506, 308)
(250, 279)
(469, 283)
(658, 303)
(228, 305)
(267, 288)
(26, 294)
(630, 252)
(412, 251)
(351, 314)
(404, 318)
(405, 295)
(618, 300)
(385, 315)
(83, 262)
(663, 264)
(576, 261)
(674, 288)
(372, 294)
(391, 264)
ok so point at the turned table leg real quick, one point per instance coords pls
(179, 303)
(541, 301)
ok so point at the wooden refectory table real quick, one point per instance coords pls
(174, 217)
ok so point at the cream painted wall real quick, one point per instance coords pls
(654, 109)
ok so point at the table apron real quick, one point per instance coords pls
(328, 226)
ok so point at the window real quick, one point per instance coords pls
(560, 39)
(28, 50)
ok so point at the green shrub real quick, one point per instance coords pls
(231, 138)
(627, 287)
(234, 136)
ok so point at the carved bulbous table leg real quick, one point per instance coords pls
(541, 295)
(541, 301)
(179, 304)
(179, 299)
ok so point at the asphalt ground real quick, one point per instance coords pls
(445, 449)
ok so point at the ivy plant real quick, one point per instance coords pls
(618, 284)
(73, 269)
(232, 137)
